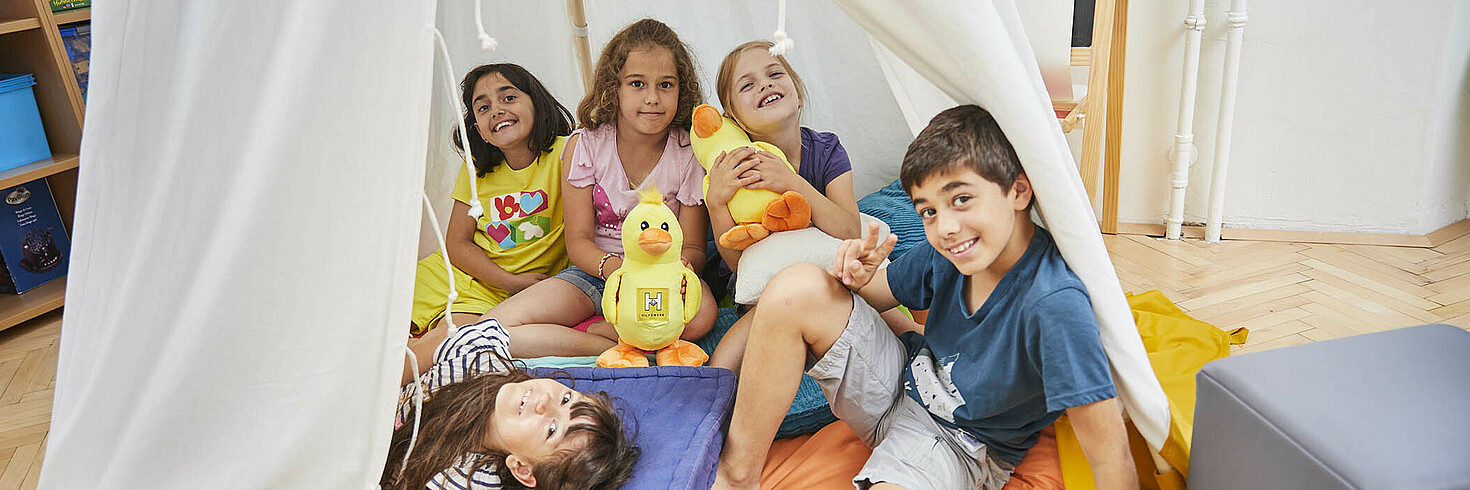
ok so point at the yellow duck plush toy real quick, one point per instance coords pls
(642, 298)
(757, 212)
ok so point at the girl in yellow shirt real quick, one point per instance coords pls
(518, 131)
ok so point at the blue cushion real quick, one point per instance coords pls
(892, 205)
(676, 413)
(809, 411)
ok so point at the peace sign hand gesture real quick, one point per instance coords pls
(858, 260)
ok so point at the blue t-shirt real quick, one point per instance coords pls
(1009, 370)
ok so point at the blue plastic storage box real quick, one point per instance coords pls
(22, 140)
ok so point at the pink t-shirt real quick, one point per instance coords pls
(595, 162)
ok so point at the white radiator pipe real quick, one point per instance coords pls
(1184, 149)
(1236, 18)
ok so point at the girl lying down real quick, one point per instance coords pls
(487, 425)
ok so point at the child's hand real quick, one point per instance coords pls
(518, 282)
(858, 260)
(729, 173)
(775, 175)
(684, 283)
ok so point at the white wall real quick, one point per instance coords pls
(1447, 177)
(1350, 116)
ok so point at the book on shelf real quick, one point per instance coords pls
(60, 5)
(77, 38)
(34, 247)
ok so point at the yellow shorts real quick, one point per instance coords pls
(430, 286)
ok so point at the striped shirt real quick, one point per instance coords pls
(473, 350)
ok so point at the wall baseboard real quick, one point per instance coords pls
(1432, 239)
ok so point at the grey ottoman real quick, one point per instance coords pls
(1382, 410)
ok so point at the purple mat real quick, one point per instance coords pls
(677, 415)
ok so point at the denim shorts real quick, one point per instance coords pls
(588, 283)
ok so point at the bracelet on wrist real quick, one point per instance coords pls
(602, 264)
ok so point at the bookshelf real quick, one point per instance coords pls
(30, 42)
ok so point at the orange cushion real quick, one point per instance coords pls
(1041, 468)
(830, 458)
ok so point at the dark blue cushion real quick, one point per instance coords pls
(676, 413)
(809, 411)
(892, 205)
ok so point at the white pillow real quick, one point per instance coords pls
(761, 262)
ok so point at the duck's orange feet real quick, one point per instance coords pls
(622, 355)
(681, 353)
(790, 212)
(741, 236)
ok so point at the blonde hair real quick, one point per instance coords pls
(600, 105)
(726, 76)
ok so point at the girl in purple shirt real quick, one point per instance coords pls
(762, 93)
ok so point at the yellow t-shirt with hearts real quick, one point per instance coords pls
(521, 229)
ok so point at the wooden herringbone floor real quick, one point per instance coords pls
(1286, 293)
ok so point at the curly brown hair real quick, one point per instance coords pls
(600, 105)
(456, 417)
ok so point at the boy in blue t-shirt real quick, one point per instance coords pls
(1010, 342)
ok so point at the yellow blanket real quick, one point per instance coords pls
(1178, 346)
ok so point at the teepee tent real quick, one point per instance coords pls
(246, 227)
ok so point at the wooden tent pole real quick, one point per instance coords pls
(578, 13)
(1097, 86)
(1112, 162)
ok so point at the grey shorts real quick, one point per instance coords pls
(588, 283)
(862, 377)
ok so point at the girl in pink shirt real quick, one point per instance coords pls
(635, 134)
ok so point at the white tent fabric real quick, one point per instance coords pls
(243, 240)
(978, 53)
(849, 93)
(243, 244)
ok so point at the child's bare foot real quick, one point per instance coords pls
(790, 212)
(603, 329)
(742, 236)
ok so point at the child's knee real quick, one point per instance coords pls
(703, 322)
(804, 286)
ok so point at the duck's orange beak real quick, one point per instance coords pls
(654, 241)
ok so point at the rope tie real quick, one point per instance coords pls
(487, 43)
(418, 409)
(783, 43)
(476, 210)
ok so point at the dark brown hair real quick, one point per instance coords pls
(961, 137)
(455, 419)
(551, 120)
(726, 75)
(600, 106)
